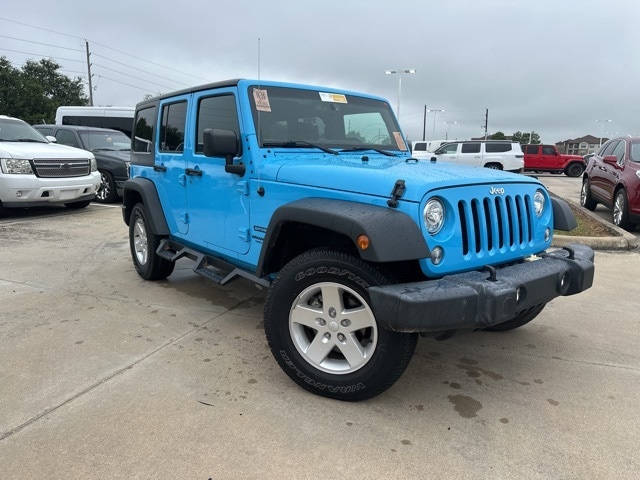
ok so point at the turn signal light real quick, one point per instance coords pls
(363, 242)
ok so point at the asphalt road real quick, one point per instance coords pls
(106, 376)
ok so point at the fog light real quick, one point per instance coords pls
(565, 282)
(436, 255)
(547, 234)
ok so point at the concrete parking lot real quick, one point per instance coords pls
(104, 375)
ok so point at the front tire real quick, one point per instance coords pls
(520, 320)
(107, 190)
(323, 333)
(143, 244)
(574, 170)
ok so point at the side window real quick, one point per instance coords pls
(619, 152)
(498, 147)
(531, 149)
(607, 149)
(174, 117)
(449, 148)
(420, 147)
(217, 113)
(470, 148)
(548, 151)
(45, 131)
(143, 127)
(65, 137)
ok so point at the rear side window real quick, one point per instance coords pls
(217, 113)
(174, 117)
(497, 147)
(143, 130)
(470, 148)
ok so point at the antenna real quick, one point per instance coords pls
(258, 58)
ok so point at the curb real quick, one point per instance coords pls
(622, 241)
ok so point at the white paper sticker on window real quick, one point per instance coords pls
(399, 141)
(262, 100)
(333, 97)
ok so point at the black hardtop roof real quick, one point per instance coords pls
(198, 88)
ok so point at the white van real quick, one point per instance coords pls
(424, 148)
(117, 118)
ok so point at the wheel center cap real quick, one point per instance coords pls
(334, 327)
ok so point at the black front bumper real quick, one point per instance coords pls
(476, 300)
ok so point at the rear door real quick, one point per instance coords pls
(599, 178)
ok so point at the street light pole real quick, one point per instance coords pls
(449, 129)
(435, 112)
(399, 72)
(602, 122)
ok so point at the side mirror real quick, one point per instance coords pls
(51, 138)
(223, 143)
(610, 159)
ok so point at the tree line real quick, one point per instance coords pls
(34, 92)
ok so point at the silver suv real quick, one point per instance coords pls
(496, 154)
(36, 172)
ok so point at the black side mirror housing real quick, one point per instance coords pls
(223, 143)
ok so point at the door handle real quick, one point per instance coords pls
(193, 172)
(159, 168)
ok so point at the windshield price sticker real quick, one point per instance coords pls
(399, 141)
(262, 100)
(333, 97)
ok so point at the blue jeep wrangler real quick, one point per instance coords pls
(312, 193)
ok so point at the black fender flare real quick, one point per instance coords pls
(394, 236)
(144, 189)
(563, 217)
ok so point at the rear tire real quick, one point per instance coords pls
(520, 320)
(586, 200)
(322, 331)
(621, 211)
(493, 166)
(143, 244)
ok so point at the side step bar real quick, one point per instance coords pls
(213, 268)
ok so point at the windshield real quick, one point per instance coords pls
(105, 141)
(291, 117)
(14, 130)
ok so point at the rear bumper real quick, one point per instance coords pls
(476, 300)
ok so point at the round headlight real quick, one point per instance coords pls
(538, 203)
(434, 215)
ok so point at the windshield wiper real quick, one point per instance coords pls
(32, 140)
(103, 149)
(299, 143)
(360, 149)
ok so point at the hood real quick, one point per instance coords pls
(31, 150)
(122, 155)
(378, 175)
(566, 155)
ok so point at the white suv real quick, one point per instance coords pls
(497, 154)
(36, 172)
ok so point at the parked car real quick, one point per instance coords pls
(35, 172)
(111, 148)
(612, 178)
(496, 154)
(547, 158)
(425, 148)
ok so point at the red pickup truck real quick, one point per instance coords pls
(547, 158)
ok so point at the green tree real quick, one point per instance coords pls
(498, 136)
(34, 92)
(526, 137)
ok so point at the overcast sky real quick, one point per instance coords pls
(559, 68)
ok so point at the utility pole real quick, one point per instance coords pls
(486, 123)
(89, 75)
(424, 124)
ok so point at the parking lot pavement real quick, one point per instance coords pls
(104, 375)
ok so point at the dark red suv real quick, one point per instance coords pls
(612, 178)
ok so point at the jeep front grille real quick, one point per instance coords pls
(56, 168)
(495, 223)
